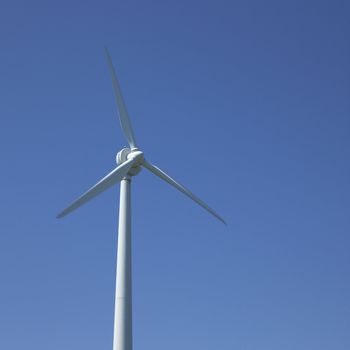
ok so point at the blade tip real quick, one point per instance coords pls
(60, 215)
(223, 221)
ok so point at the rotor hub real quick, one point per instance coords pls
(126, 154)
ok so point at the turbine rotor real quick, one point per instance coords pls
(130, 161)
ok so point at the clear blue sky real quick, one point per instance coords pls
(246, 103)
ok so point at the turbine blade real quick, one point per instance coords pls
(123, 114)
(155, 170)
(113, 177)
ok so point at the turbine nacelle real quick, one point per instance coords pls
(131, 154)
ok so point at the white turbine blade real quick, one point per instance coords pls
(123, 114)
(113, 177)
(155, 170)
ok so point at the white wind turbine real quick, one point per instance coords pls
(129, 161)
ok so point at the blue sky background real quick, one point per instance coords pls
(246, 103)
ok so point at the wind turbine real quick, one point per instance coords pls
(129, 163)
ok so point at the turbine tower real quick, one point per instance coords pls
(129, 163)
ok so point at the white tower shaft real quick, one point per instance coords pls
(123, 295)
